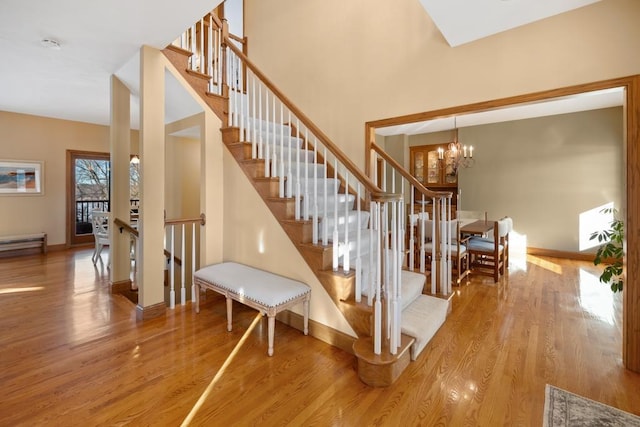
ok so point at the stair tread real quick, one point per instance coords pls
(422, 319)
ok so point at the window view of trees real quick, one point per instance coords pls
(92, 189)
(92, 179)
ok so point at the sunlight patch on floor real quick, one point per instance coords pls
(19, 290)
(596, 297)
(546, 264)
(218, 375)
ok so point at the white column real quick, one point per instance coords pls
(211, 189)
(120, 143)
(152, 175)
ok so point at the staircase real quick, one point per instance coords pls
(350, 232)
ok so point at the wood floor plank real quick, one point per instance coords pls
(73, 354)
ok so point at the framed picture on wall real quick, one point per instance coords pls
(21, 177)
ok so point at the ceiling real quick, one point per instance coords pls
(97, 40)
(463, 21)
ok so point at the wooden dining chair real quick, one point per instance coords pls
(489, 255)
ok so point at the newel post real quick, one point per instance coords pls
(225, 77)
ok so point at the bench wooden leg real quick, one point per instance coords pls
(197, 291)
(229, 313)
(271, 329)
(306, 315)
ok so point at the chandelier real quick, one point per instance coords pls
(456, 155)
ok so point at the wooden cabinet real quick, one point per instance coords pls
(433, 169)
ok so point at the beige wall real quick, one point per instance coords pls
(183, 177)
(370, 60)
(26, 137)
(254, 237)
(543, 172)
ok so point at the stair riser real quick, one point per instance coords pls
(317, 260)
(254, 168)
(230, 135)
(238, 151)
(267, 187)
(299, 232)
(284, 209)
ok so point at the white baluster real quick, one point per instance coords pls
(412, 231)
(358, 246)
(289, 182)
(434, 276)
(194, 52)
(289, 189)
(346, 267)
(336, 243)
(218, 61)
(242, 99)
(305, 149)
(251, 121)
(325, 226)
(267, 163)
(399, 257)
(193, 261)
(259, 127)
(377, 308)
(210, 54)
(393, 314)
(373, 221)
(183, 268)
(423, 240)
(202, 69)
(172, 264)
(236, 93)
(315, 192)
(229, 74)
(274, 156)
(281, 169)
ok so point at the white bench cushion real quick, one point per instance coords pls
(262, 287)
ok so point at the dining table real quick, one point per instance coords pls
(478, 228)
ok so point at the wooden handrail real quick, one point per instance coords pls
(412, 180)
(376, 193)
(216, 20)
(124, 226)
(202, 219)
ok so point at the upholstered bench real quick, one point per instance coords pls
(266, 292)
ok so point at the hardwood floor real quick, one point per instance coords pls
(73, 354)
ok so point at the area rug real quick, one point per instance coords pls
(562, 408)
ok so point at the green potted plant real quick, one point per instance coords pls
(611, 251)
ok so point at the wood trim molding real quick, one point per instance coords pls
(318, 330)
(631, 84)
(560, 254)
(121, 287)
(151, 312)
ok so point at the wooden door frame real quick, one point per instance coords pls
(631, 153)
(70, 193)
